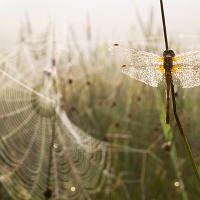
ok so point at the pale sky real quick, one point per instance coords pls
(109, 18)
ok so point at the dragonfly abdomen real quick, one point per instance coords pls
(168, 63)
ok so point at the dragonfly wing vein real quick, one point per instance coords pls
(140, 65)
(187, 77)
(187, 74)
(148, 76)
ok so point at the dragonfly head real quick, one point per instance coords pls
(168, 53)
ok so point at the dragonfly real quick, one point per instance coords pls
(182, 69)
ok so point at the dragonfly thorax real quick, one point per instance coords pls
(168, 59)
(168, 53)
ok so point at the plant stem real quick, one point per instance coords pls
(168, 135)
(185, 141)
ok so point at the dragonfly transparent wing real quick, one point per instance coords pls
(141, 65)
(187, 69)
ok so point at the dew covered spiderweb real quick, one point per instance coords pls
(42, 153)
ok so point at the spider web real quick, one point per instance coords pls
(40, 148)
(30, 116)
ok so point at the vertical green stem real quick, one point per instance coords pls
(168, 137)
(185, 141)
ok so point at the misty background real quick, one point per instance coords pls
(109, 19)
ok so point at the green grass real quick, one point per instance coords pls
(123, 112)
(120, 110)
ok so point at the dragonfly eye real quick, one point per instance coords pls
(169, 53)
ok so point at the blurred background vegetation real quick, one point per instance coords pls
(121, 111)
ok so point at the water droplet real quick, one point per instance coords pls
(73, 189)
(176, 184)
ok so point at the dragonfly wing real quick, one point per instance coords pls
(147, 75)
(191, 58)
(141, 65)
(187, 73)
(187, 76)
